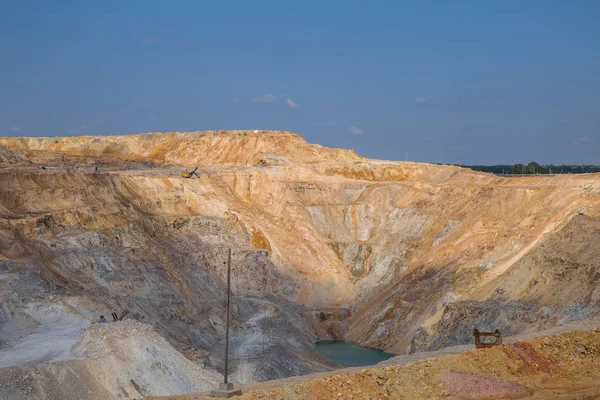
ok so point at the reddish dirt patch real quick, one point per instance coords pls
(469, 385)
(534, 361)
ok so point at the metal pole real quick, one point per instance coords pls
(227, 322)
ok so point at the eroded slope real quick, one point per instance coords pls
(390, 254)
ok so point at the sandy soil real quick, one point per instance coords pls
(565, 365)
(588, 325)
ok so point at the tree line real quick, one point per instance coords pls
(534, 168)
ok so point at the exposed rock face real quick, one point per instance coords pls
(7, 156)
(410, 249)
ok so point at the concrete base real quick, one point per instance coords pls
(225, 390)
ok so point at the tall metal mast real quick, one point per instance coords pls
(227, 321)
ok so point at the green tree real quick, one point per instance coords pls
(518, 168)
(533, 168)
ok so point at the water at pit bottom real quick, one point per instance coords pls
(348, 354)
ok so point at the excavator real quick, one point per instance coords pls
(186, 174)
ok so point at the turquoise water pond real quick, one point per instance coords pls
(348, 354)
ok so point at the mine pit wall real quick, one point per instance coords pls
(553, 284)
(497, 223)
(107, 201)
(396, 243)
(371, 236)
(327, 323)
(204, 149)
(154, 247)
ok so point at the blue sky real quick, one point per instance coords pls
(471, 82)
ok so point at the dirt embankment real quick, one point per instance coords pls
(226, 148)
(547, 367)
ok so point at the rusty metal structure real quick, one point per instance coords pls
(482, 345)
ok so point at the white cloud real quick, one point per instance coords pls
(422, 100)
(236, 100)
(15, 129)
(265, 98)
(356, 131)
(291, 103)
(579, 140)
(458, 147)
(78, 131)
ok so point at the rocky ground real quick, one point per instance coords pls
(404, 257)
(561, 366)
(125, 359)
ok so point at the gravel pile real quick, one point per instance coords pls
(130, 357)
(102, 339)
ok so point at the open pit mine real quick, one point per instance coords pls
(398, 256)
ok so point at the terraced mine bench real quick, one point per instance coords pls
(478, 344)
